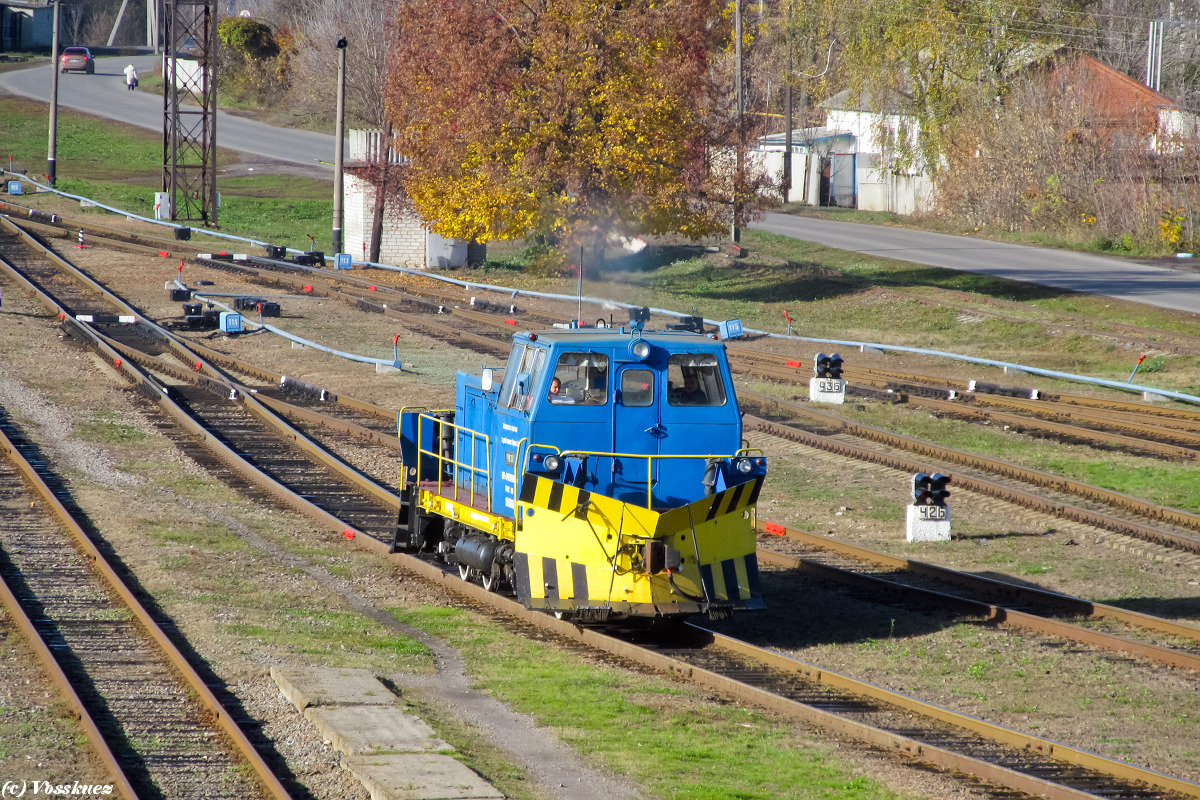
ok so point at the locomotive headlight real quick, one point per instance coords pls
(744, 466)
(640, 349)
(551, 463)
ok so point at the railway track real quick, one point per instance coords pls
(487, 332)
(1173, 425)
(888, 579)
(153, 721)
(1171, 433)
(1012, 767)
(1039, 491)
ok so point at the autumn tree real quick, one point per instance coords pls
(571, 119)
(932, 61)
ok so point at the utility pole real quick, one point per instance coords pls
(339, 134)
(787, 118)
(152, 25)
(52, 146)
(1154, 54)
(120, 16)
(737, 175)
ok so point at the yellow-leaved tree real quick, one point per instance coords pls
(571, 119)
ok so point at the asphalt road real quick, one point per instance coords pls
(1119, 278)
(104, 95)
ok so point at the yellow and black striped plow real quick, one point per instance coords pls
(578, 549)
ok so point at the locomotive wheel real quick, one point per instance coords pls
(491, 579)
(464, 572)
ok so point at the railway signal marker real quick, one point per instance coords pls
(928, 514)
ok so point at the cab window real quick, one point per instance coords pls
(694, 379)
(580, 379)
(523, 365)
(637, 387)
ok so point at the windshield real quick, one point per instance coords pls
(694, 379)
(580, 378)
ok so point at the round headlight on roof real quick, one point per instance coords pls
(640, 348)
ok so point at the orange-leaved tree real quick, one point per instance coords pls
(572, 119)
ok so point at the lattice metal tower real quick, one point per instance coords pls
(190, 110)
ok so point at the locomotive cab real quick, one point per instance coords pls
(603, 476)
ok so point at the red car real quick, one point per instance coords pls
(78, 59)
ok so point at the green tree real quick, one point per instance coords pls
(565, 118)
(248, 37)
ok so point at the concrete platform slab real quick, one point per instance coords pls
(357, 730)
(415, 776)
(305, 687)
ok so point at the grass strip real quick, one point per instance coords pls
(672, 737)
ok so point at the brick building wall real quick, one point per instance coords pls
(402, 241)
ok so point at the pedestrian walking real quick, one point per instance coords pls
(131, 79)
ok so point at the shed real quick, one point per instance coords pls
(406, 240)
(26, 24)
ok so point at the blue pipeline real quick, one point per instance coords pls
(298, 340)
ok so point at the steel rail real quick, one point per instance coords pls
(228, 362)
(247, 396)
(41, 650)
(1184, 428)
(892, 741)
(967, 407)
(1070, 430)
(1006, 736)
(886, 740)
(977, 406)
(1003, 615)
(1017, 592)
(1164, 514)
(158, 391)
(875, 376)
(869, 376)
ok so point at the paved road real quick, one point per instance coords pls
(104, 95)
(1112, 277)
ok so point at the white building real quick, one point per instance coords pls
(405, 240)
(844, 163)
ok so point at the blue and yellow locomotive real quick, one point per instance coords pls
(604, 477)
